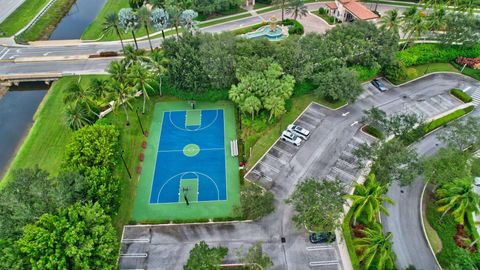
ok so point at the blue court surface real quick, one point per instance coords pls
(190, 161)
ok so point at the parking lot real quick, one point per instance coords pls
(280, 154)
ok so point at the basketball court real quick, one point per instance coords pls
(189, 172)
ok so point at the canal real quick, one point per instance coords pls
(17, 108)
(82, 13)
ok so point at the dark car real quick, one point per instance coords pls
(379, 85)
(323, 237)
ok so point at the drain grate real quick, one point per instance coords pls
(283, 239)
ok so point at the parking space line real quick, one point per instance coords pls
(283, 151)
(1, 57)
(275, 158)
(319, 248)
(431, 107)
(315, 113)
(134, 255)
(270, 166)
(320, 263)
(343, 173)
(423, 110)
(139, 240)
(446, 99)
(301, 122)
(311, 117)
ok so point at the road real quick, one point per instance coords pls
(327, 154)
(10, 54)
(8, 6)
(409, 242)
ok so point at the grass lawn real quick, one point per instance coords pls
(432, 235)
(21, 17)
(45, 143)
(48, 21)
(147, 212)
(474, 73)
(271, 134)
(348, 237)
(414, 72)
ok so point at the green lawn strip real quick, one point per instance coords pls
(247, 29)
(414, 72)
(447, 118)
(223, 13)
(458, 93)
(329, 19)
(45, 143)
(267, 10)
(44, 27)
(21, 17)
(94, 30)
(145, 212)
(219, 21)
(348, 237)
(474, 73)
(432, 235)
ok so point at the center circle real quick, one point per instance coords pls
(191, 150)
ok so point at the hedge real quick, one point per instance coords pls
(347, 234)
(447, 118)
(458, 93)
(374, 132)
(429, 53)
(295, 28)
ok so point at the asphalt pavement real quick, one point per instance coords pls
(7, 7)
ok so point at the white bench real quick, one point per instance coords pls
(234, 148)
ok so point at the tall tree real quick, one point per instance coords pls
(318, 204)
(187, 20)
(376, 249)
(158, 64)
(160, 19)
(391, 21)
(140, 77)
(144, 16)
(282, 5)
(458, 198)
(118, 71)
(462, 134)
(203, 257)
(174, 12)
(446, 165)
(123, 92)
(128, 21)
(255, 256)
(111, 23)
(338, 84)
(297, 8)
(369, 199)
(79, 237)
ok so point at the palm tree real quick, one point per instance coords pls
(99, 88)
(160, 19)
(297, 8)
(376, 248)
(76, 116)
(414, 23)
(117, 70)
(281, 4)
(251, 105)
(158, 63)
(144, 17)
(140, 77)
(134, 56)
(408, 19)
(174, 13)
(122, 94)
(390, 21)
(436, 20)
(369, 199)
(128, 21)
(157, 3)
(111, 24)
(77, 94)
(458, 197)
(276, 106)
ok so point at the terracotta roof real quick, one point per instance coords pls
(345, 1)
(360, 11)
(332, 5)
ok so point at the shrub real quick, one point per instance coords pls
(396, 72)
(296, 28)
(255, 202)
(470, 62)
(429, 53)
(461, 95)
(411, 73)
(322, 10)
(374, 132)
(447, 118)
(366, 73)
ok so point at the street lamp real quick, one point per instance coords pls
(139, 121)
(125, 164)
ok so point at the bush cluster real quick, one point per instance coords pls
(430, 53)
(295, 27)
(470, 62)
(458, 93)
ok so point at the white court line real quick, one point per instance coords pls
(1, 57)
(201, 149)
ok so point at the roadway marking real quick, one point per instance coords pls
(321, 263)
(345, 114)
(13, 56)
(466, 89)
(270, 166)
(354, 123)
(47, 53)
(319, 248)
(18, 50)
(1, 57)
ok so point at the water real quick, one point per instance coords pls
(265, 32)
(82, 13)
(17, 108)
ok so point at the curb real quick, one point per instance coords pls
(426, 75)
(423, 225)
(184, 224)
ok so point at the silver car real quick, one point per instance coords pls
(299, 131)
(288, 136)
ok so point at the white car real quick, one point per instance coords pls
(288, 136)
(299, 131)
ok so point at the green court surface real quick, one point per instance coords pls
(146, 212)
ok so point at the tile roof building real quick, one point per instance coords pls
(349, 10)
